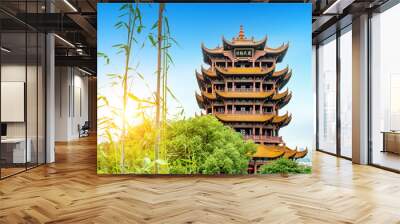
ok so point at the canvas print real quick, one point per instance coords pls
(204, 88)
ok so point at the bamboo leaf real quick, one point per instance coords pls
(118, 25)
(138, 14)
(173, 40)
(155, 25)
(118, 45)
(111, 75)
(103, 55)
(172, 94)
(152, 40)
(166, 24)
(140, 76)
(140, 28)
(169, 58)
(104, 99)
(122, 15)
(124, 6)
(137, 65)
(137, 99)
(166, 47)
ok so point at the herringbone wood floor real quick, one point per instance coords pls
(69, 191)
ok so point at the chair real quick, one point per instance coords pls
(84, 130)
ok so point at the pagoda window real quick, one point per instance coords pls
(230, 84)
(219, 109)
(220, 86)
(257, 109)
(264, 64)
(229, 108)
(220, 64)
(209, 111)
(268, 109)
(268, 87)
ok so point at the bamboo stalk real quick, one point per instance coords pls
(131, 27)
(159, 38)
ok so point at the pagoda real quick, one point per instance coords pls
(242, 88)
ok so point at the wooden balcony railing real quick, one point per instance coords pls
(244, 90)
(271, 139)
(243, 112)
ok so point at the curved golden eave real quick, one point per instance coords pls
(208, 72)
(218, 50)
(283, 81)
(244, 117)
(246, 71)
(268, 151)
(245, 42)
(200, 101)
(287, 121)
(276, 151)
(199, 97)
(280, 119)
(282, 95)
(287, 76)
(281, 72)
(211, 96)
(285, 101)
(301, 154)
(199, 76)
(289, 154)
(278, 50)
(241, 95)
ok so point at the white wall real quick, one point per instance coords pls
(33, 127)
(16, 73)
(71, 102)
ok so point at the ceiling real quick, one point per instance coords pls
(75, 22)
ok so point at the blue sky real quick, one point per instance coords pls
(193, 24)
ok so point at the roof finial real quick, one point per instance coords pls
(241, 33)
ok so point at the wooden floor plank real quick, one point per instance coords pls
(70, 191)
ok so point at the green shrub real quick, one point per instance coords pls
(203, 145)
(284, 166)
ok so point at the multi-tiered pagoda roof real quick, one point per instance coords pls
(244, 90)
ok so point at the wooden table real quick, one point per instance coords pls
(13, 150)
(391, 141)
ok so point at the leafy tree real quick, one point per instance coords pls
(203, 145)
(284, 166)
